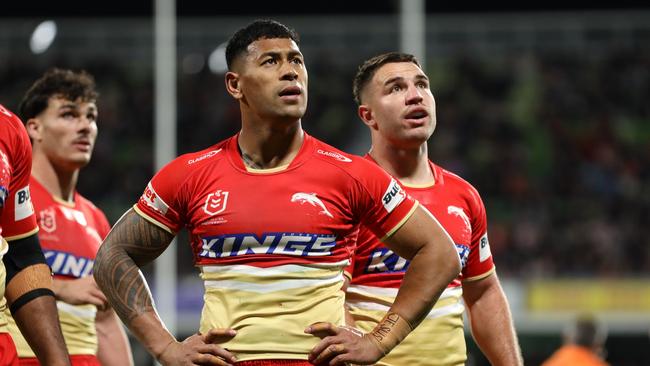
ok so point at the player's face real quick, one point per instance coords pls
(273, 79)
(66, 132)
(401, 104)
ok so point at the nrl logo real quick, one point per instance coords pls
(47, 220)
(216, 202)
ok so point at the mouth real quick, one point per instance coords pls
(290, 92)
(83, 145)
(416, 114)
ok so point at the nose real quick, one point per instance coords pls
(413, 95)
(84, 124)
(289, 74)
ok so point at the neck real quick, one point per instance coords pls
(267, 146)
(409, 165)
(59, 182)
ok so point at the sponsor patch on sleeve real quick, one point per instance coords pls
(484, 248)
(151, 199)
(23, 205)
(393, 196)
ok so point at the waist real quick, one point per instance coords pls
(271, 307)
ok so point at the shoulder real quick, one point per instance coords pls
(11, 127)
(347, 162)
(458, 183)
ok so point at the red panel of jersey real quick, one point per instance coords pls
(17, 214)
(459, 209)
(303, 214)
(70, 233)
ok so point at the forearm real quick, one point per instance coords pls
(426, 278)
(114, 348)
(492, 327)
(130, 244)
(38, 321)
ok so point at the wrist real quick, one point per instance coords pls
(390, 331)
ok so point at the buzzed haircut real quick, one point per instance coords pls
(368, 69)
(259, 29)
(62, 83)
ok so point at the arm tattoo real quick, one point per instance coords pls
(132, 243)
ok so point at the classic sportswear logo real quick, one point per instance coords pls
(23, 204)
(312, 200)
(209, 154)
(216, 202)
(335, 155)
(393, 196)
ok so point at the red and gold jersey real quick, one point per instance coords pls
(70, 235)
(376, 273)
(16, 212)
(272, 244)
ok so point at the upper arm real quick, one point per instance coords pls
(419, 229)
(140, 239)
(474, 290)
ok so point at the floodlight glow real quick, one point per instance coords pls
(43, 36)
(217, 60)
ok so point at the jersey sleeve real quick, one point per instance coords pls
(479, 262)
(161, 203)
(18, 219)
(381, 202)
(103, 226)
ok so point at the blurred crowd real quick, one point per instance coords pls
(557, 143)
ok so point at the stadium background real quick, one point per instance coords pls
(545, 109)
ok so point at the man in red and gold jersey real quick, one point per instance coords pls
(28, 280)
(60, 115)
(272, 213)
(397, 105)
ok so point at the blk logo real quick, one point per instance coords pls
(216, 202)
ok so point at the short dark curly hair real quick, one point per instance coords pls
(259, 29)
(368, 69)
(57, 82)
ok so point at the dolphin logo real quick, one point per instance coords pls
(311, 198)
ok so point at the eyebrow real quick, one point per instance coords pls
(75, 106)
(399, 78)
(278, 54)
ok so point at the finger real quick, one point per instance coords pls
(213, 349)
(341, 360)
(219, 335)
(331, 351)
(209, 360)
(322, 329)
(321, 346)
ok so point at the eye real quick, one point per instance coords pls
(297, 61)
(395, 88)
(269, 61)
(423, 85)
(68, 115)
(92, 117)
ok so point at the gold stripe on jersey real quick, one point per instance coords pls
(399, 224)
(77, 326)
(288, 298)
(152, 220)
(23, 235)
(481, 276)
(438, 340)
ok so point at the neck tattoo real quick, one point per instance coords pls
(250, 162)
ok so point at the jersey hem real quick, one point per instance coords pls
(481, 276)
(400, 223)
(152, 220)
(21, 236)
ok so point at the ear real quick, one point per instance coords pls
(34, 128)
(365, 113)
(233, 86)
